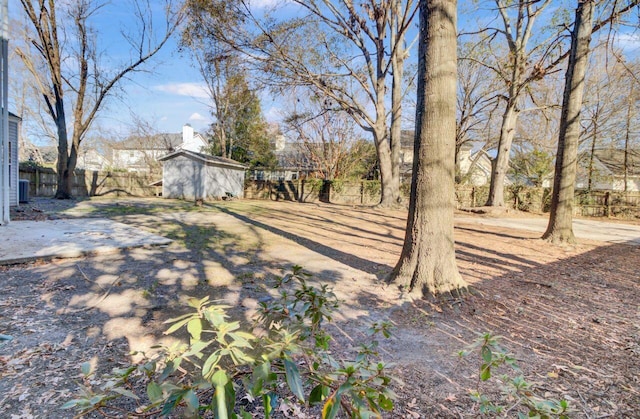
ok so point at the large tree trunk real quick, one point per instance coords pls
(427, 264)
(389, 181)
(501, 164)
(560, 228)
(397, 69)
(63, 189)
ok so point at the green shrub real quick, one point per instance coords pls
(517, 396)
(223, 370)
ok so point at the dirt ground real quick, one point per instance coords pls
(571, 315)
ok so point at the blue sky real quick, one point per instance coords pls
(168, 94)
(172, 93)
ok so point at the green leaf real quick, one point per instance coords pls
(167, 371)
(125, 392)
(293, 379)
(194, 327)
(230, 396)
(487, 356)
(219, 379)
(171, 403)
(196, 349)
(73, 403)
(485, 372)
(209, 364)
(266, 404)
(154, 391)
(192, 401)
(331, 407)
(178, 325)
(318, 394)
(85, 368)
(385, 403)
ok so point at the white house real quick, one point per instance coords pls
(142, 153)
(473, 168)
(606, 171)
(190, 175)
(91, 159)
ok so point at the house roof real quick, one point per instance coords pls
(166, 141)
(407, 138)
(613, 160)
(205, 158)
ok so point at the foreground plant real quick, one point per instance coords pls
(284, 362)
(517, 397)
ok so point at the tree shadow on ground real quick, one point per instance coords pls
(576, 317)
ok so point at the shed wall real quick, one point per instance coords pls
(182, 178)
(220, 180)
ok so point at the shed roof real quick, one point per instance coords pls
(206, 158)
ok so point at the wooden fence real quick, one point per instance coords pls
(43, 182)
(608, 204)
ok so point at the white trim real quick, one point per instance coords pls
(204, 158)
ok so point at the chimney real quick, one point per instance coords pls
(187, 133)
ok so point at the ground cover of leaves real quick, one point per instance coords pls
(571, 315)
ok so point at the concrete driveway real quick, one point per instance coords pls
(24, 241)
(583, 229)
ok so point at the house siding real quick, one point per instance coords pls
(13, 162)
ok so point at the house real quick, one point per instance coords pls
(91, 159)
(473, 168)
(607, 170)
(292, 162)
(190, 175)
(10, 194)
(142, 153)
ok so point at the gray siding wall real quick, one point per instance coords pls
(220, 180)
(13, 163)
(182, 178)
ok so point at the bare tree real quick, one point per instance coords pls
(326, 139)
(560, 227)
(427, 264)
(340, 49)
(72, 77)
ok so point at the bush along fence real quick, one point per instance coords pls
(43, 182)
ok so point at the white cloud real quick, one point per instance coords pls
(197, 90)
(628, 41)
(262, 4)
(197, 117)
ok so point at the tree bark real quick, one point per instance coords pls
(560, 227)
(517, 35)
(501, 163)
(427, 264)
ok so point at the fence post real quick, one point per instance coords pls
(607, 204)
(37, 191)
